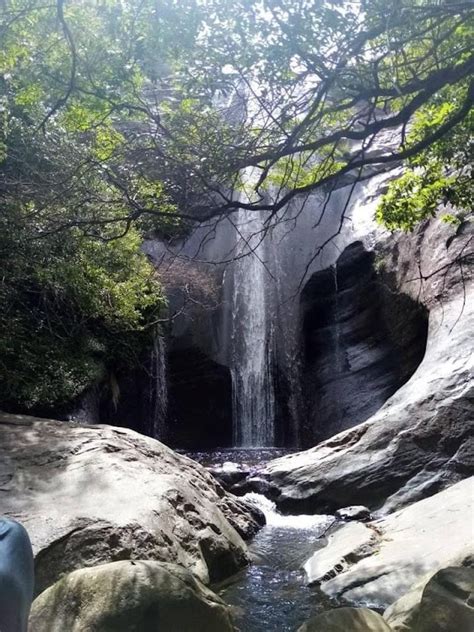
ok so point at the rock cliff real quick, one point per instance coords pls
(360, 343)
(421, 440)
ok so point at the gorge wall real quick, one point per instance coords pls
(281, 333)
(360, 343)
(301, 339)
(253, 328)
(200, 400)
(420, 441)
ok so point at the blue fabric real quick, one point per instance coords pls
(16, 576)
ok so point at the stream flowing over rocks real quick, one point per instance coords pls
(376, 562)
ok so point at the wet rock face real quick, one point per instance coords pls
(421, 440)
(90, 495)
(377, 562)
(360, 343)
(132, 409)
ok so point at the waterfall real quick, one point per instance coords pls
(264, 308)
(337, 349)
(158, 388)
(255, 329)
(251, 358)
(337, 325)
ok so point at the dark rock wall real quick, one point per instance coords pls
(361, 342)
(200, 401)
(126, 401)
(285, 417)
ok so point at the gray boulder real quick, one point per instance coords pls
(356, 512)
(130, 597)
(448, 602)
(442, 603)
(344, 547)
(94, 494)
(402, 614)
(346, 620)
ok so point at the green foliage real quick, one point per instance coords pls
(412, 198)
(80, 184)
(441, 174)
(189, 93)
(72, 308)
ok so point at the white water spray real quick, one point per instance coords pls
(251, 360)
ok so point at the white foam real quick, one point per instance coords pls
(276, 519)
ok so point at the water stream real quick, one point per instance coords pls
(158, 394)
(271, 594)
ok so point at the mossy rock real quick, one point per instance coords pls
(130, 596)
(447, 603)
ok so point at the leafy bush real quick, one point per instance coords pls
(441, 174)
(72, 308)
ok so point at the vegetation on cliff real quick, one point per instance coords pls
(439, 175)
(72, 310)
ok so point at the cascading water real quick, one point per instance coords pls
(271, 593)
(337, 345)
(339, 361)
(251, 357)
(255, 329)
(158, 388)
(265, 312)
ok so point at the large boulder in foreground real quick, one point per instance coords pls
(346, 620)
(402, 614)
(422, 439)
(442, 604)
(397, 551)
(94, 494)
(130, 597)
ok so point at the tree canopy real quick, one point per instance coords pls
(118, 117)
(157, 107)
(73, 312)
